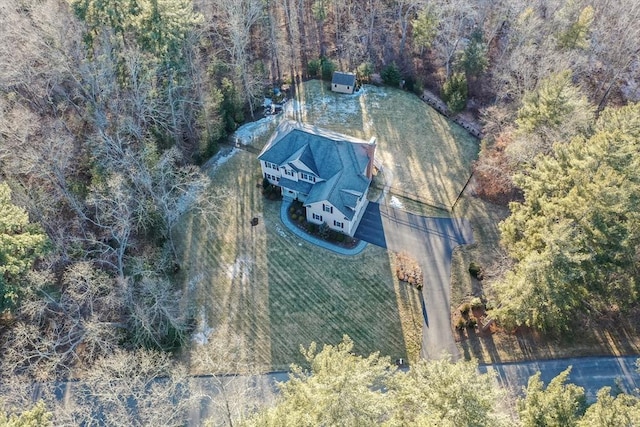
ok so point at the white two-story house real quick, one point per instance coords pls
(328, 172)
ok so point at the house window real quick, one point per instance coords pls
(348, 88)
(271, 165)
(338, 224)
(317, 217)
(288, 172)
(307, 177)
(327, 208)
(335, 85)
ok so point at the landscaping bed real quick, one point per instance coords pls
(297, 215)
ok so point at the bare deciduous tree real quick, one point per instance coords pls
(144, 388)
(57, 332)
(237, 19)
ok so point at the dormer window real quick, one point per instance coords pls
(307, 177)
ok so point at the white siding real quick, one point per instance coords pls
(360, 208)
(270, 172)
(292, 175)
(341, 88)
(328, 217)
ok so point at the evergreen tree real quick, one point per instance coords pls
(391, 75)
(425, 29)
(341, 388)
(576, 236)
(21, 243)
(38, 416)
(557, 405)
(555, 111)
(622, 410)
(575, 36)
(455, 92)
(474, 60)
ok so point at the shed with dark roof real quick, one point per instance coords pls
(343, 82)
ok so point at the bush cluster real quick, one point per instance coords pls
(475, 270)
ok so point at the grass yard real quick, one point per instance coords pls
(427, 156)
(261, 292)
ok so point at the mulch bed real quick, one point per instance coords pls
(297, 216)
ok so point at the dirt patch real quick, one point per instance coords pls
(613, 335)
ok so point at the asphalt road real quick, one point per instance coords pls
(227, 392)
(592, 373)
(431, 242)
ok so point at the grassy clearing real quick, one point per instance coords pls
(428, 157)
(261, 292)
(269, 292)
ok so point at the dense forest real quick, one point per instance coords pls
(109, 107)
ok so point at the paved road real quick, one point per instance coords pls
(431, 242)
(592, 373)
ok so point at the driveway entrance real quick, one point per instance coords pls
(431, 242)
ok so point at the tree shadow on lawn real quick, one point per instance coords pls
(430, 155)
(318, 296)
(479, 345)
(604, 338)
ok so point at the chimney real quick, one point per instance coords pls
(371, 153)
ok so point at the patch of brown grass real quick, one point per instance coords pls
(267, 291)
(611, 336)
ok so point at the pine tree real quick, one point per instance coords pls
(576, 235)
(21, 243)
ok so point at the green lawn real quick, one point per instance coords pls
(268, 291)
(428, 156)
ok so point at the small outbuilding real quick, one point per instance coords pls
(343, 82)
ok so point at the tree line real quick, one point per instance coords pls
(107, 108)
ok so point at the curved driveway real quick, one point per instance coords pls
(431, 242)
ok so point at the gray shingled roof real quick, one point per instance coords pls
(338, 160)
(346, 79)
(301, 186)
